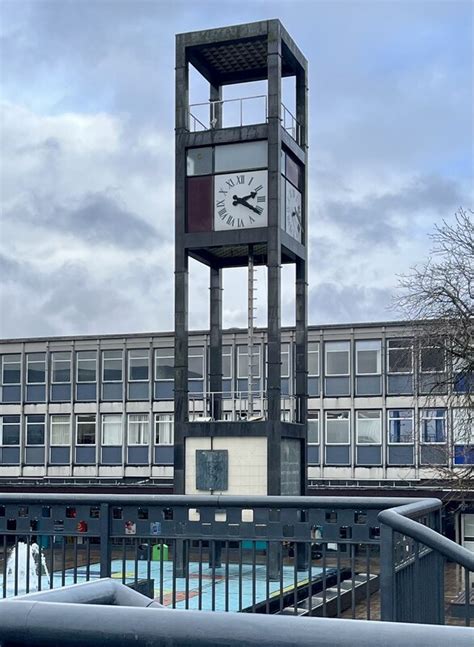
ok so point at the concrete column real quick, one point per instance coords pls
(215, 346)
(215, 109)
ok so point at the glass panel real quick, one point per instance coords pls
(313, 428)
(243, 363)
(433, 425)
(432, 360)
(112, 429)
(138, 429)
(164, 364)
(337, 428)
(313, 359)
(400, 356)
(11, 369)
(227, 362)
(400, 426)
(36, 368)
(164, 433)
(285, 360)
(86, 430)
(61, 368)
(35, 430)
(463, 426)
(112, 365)
(86, 366)
(199, 161)
(236, 157)
(60, 430)
(368, 357)
(369, 427)
(10, 430)
(138, 365)
(337, 358)
(196, 363)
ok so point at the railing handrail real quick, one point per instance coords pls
(206, 103)
(399, 519)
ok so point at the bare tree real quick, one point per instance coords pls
(437, 297)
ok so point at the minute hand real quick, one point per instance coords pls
(243, 201)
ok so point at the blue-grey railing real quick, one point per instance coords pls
(316, 556)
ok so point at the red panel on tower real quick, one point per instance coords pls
(199, 203)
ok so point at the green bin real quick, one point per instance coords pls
(156, 552)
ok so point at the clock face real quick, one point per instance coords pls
(294, 222)
(240, 200)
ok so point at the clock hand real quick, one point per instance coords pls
(243, 199)
(236, 200)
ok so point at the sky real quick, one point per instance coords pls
(87, 156)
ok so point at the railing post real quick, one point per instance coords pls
(387, 574)
(105, 548)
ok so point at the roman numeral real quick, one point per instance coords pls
(259, 209)
(222, 213)
(251, 219)
(231, 221)
(260, 186)
(230, 183)
(222, 191)
(261, 198)
(240, 222)
(250, 181)
(220, 204)
(240, 179)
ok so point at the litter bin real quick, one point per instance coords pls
(156, 552)
(143, 552)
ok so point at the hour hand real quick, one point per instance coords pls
(236, 200)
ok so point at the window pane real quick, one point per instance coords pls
(285, 360)
(138, 429)
(11, 369)
(337, 358)
(463, 426)
(164, 429)
(313, 428)
(432, 360)
(86, 366)
(433, 427)
(337, 428)
(10, 430)
(61, 368)
(36, 367)
(112, 429)
(138, 365)
(164, 364)
(195, 368)
(86, 430)
(313, 359)
(368, 357)
(242, 362)
(227, 362)
(400, 356)
(199, 161)
(35, 430)
(235, 157)
(369, 427)
(400, 426)
(112, 365)
(60, 430)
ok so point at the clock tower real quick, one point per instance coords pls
(241, 201)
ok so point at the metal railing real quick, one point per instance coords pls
(234, 406)
(291, 125)
(314, 556)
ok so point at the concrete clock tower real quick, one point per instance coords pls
(241, 201)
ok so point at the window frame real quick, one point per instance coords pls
(420, 363)
(245, 354)
(145, 355)
(413, 429)
(79, 360)
(314, 415)
(410, 347)
(348, 418)
(51, 423)
(316, 352)
(422, 410)
(103, 424)
(5, 361)
(5, 424)
(470, 437)
(54, 361)
(155, 365)
(105, 359)
(37, 361)
(139, 444)
(369, 444)
(288, 353)
(28, 423)
(202, 356)
(230, 355)
(79, 422)
(358, 342)
(157, 423)
(327, 350)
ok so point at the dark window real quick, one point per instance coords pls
(86, 366)
(432, 360)
(35, 430)
(86, 429)
(400, 355)
(10, 430)
(112, 365)
(36, 368)
(11, 366)
(61, 368)
(138, 365)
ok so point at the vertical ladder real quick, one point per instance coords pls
(251, 371)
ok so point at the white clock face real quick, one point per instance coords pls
(294, 222)
(240, 200)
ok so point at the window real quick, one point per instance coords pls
(112, 429)
(337, 358)
(400, 426)
(243, 362)
(337, 428)
(85, 429)
(313, 359)
(10, 430)
(285, 360)
(164, 364)
(234, 157)
(227, 362)
(36, 368)
(35, 430)
(433, 425)
(432, 359)
(196, 363)
(11, 369)
(400, 355)
(313, 427)
(164, 429)
(60, 430)
(369, 357)
(138, 429)
(61, 368)
(369, 427)
(463, 426)
(86, 366)
(112, 365)
(138, 365)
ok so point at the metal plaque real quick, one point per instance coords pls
(212, 469)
